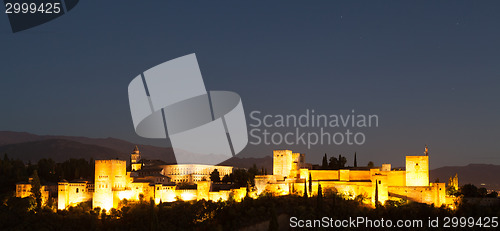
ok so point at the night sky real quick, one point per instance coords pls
(429, 70)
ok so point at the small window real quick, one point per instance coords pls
(76, 190)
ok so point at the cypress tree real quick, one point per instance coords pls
(248, 190)
(324, 165)
(154, 225)
(305, 188)
(355, 160)
(310, 184)
(320, 198)
(36, 190)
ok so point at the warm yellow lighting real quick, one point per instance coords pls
(125, 195)
(187, 196)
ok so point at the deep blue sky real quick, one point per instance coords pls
(430, 70)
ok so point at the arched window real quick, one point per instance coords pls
(76, 190)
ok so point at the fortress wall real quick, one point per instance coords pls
(281, 188)
(239, 193)
(396, 178)
(261, 182)
(345, 188)
(344, 174)
(439, 193)
(421, 194)
(359, 175)
(380, 186)
(77, 193)
(186, 194)
(203, 189)
(220, 195)
(323, 175)
(168, 194)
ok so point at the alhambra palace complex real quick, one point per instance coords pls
(165, 183)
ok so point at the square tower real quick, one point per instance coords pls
(282, 162)
(110, 177)
(417, 170)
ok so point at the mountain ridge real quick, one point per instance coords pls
(30, 147)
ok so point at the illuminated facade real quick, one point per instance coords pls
(158, 181)
(147, 180)
(411, 184)
(74, 192)
(23, 189)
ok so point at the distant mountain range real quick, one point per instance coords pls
(480, 175)
(31, 147)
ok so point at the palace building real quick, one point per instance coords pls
(146, 179)
(290, 177)
(155, 180)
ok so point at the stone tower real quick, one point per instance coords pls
(417, 170)
(282, 162)
(110, 178)
(135, 160)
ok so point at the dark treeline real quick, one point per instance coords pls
(470, 190)
(239, 177)
(15, 170)
(334, 163)
(17, 213)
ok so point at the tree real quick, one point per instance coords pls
(469, 190)
(154, 225)
(214, 176)
(371, 164)
(452, 191)
(482, 192)
(305, 188)
(36, 190)
(320, 191)
(324, 165)
(320, 198)
(493, 194)
(226, 178)
(253, 170)
(355, 160)
(342, 161)
(377, 203)
(334, 163)
(248, 190)
(310, 184)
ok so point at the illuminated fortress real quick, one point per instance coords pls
(146, 180)
(290, 176)
(155, 180)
